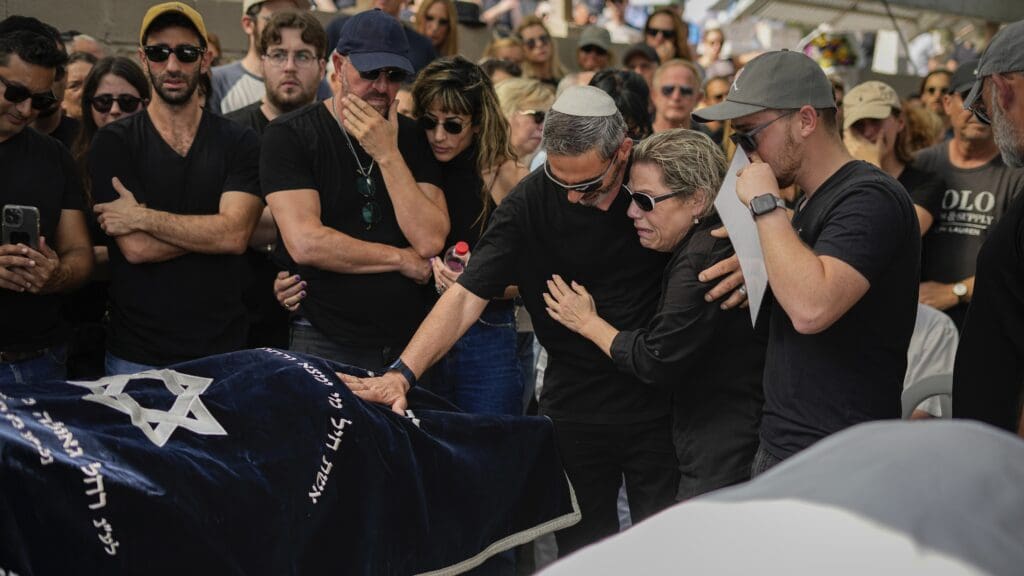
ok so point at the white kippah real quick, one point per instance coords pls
(585, 101)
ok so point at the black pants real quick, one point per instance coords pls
(597, 456)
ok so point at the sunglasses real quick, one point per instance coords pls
(186, 53)
(717, 97)
(126, 102)
(538, 41)
(748, 140)
(668, 34)
(583, 187)
(370, 212)
(646, 202)
(393, 75)
(440, 21)
(937, 90)
(591, 49)
(684, 91)
(538, 115)
(451, 126)
(16, 94)
(978, 109)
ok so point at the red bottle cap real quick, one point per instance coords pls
(461, 248)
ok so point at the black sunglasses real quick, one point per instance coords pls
(748, 140)
(583, 187)
(393, 75)
(668, 34)
(16, 94)
(186, 53)
(538, 115)
(370, 212)
(126, 102)
(533, 42)
(938, 89)
(591, 49)
(646, 202)
(978, 108)
(668, 89)
(450, 125)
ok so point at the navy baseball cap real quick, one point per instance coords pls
(373, 40)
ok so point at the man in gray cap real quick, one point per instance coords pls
(843, 273)
(988, 379)
(569, 219)
(593, 50)
(354, 189)
(978, 190)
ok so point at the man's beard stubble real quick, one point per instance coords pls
(191, 84)
(1009, 138)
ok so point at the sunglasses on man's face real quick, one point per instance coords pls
(451, 126)
(16, 94)
(591, 49)
(748, 140)
(668, 34)
(977, 107)
(538, 41)
(684, 91)
(585, 187)
(938, 90)
(646, 202)
(537, 115)
(393, 75)
(185, 53)
(126, 102)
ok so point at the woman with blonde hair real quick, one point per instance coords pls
(541, 61)
(524, 103)
(509, 48)
(666, 32)
(439, 22)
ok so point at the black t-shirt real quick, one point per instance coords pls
(534, 233)
(972, 201)
(251, 116)
(988, 378)
(818, 384)
(35, 170)
(463, 191)
(67, 131)
(307, 150)
(711, 361)
(925, 188)
(190, 306)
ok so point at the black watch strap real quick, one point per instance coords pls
(765, 203)
(404, 370)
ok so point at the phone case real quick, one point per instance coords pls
(21, 225)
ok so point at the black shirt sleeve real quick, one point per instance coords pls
(110, 156)
(493, 263)
(73, 197)
(866, 230)
(285, 162)
(244, 171)
(926, 191)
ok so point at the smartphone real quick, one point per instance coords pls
(21, 225)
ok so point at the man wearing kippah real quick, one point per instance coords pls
(988, 379)
(843, 273)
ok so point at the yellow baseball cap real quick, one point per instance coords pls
(872, 99)
(184, 9)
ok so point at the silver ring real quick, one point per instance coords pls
(743, 289)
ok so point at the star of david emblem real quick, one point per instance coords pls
(188, 410)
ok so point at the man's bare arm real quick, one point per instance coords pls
(226, 232)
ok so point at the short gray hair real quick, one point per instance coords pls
(690, 163)
(568, 135)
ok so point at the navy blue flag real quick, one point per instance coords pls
(263, 462)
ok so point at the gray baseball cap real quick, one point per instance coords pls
(1005, 53)
(780, 80)
(595, 36)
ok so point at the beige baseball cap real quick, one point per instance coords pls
(167, 7)
(872, 99)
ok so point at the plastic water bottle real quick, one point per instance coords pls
(456, 257)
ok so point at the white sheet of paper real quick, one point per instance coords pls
(743, 234)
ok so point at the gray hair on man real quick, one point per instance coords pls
(1009, 137)
(691, 163)
(569, 135)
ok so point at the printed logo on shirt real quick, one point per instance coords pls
(966, 212)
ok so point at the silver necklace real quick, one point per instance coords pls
(364, 173)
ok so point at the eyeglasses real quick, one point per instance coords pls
(978, 106)
(370, 212)
(440, 21)
(684, 91)
(393, 75)
(450, 125)
(938, 90)
(539, 40)
(16, 94)
(717, 97)
(667, 34)
(186, 53)
(126, 102)
(646, 202)
(583, 187)
(591, 49)
(538, 115)
(748, 140)
(280, 58)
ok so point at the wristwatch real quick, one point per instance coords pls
(404, 370)
(960, 290)
(765, 203)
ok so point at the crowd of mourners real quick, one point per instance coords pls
(311, 195)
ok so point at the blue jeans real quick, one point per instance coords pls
(116, 366)
(52, 365)
(481, 374)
